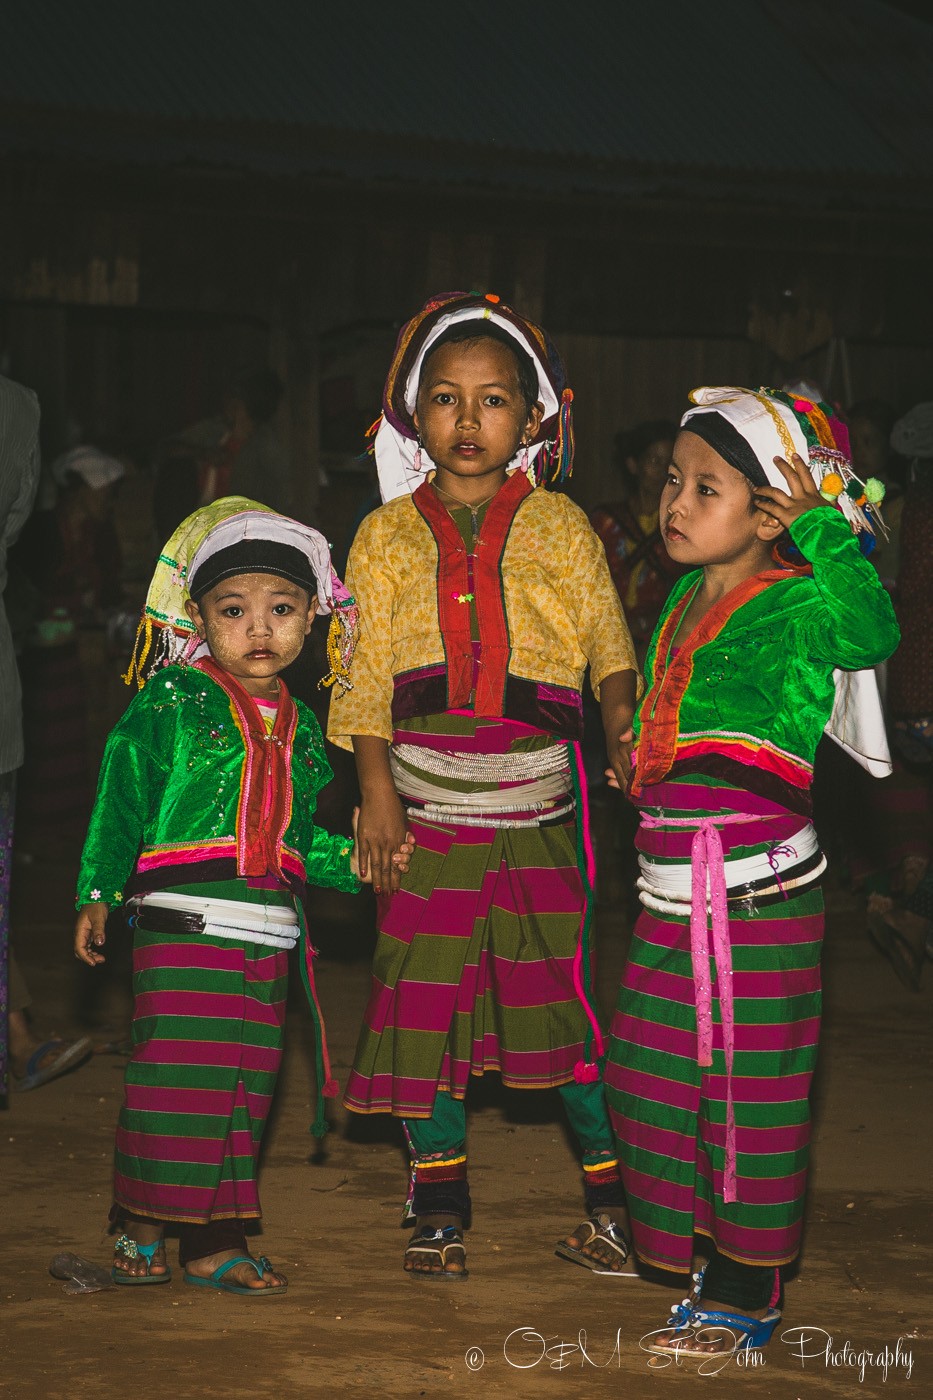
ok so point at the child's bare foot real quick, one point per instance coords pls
(246, 1274)
(133, 1256)
(436, 1247)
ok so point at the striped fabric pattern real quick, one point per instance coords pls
(207, 1036)
(474, 965)
(668, 1112)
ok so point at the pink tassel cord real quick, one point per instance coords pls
(709, 886)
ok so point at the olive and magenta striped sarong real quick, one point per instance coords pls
(207, 1036)
(669, 1113)
(475, 963)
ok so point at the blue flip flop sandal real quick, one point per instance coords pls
(132, 1249)
(217, 1280)
(71, 1056)
(690, 1322)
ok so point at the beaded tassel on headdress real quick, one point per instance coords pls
(558, 456)
(342, 636)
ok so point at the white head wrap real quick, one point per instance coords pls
(262, 525)
(768, 426)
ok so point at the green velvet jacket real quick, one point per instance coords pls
(746, 696)
(192, 788)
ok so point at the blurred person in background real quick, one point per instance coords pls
(235, 453)
(901, 924)
(32, 1061)
(628, 527)
(71, 555)
(644, 575)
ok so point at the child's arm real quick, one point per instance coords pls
(330, 862)
(381, 829)
(361, 718)
(617, 697)
(591, 599)
(366, 708)
(333, 860)
(130, 776)
(856, 627)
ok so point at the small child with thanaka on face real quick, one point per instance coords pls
(203, 826)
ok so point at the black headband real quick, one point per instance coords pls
(253, 557)
(723, 437)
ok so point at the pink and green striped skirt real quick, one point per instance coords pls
(207, 1037)
(479, 965)
(668, 1112)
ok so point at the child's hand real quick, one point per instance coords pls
(90, 935)
(401, 858)
(786, 506)
(620, 757)
(379, 838)
(617, 704)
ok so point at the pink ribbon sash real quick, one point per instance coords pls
(709, 885)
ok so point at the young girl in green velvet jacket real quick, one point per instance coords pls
(204, 826)
(766, 643)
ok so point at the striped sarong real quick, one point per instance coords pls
(474, 967)
(207, 1036)
(669, 1113)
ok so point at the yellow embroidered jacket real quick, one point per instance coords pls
(507, 629)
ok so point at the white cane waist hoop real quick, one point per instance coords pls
(786, 866)
(273, 925)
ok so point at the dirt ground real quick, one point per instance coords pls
(525, 1323)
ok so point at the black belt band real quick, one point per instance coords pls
(155, 920)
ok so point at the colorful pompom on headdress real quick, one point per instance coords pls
(235, 535)
(401, 462)
(750, 428)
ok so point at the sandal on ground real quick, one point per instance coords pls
(896, 949)
(434, 1246)
(219, 1280)
(70, 1055)
(604, 1229)
(694, 1328)
(132, 1249)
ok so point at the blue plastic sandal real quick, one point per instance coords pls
(132, 1249)
(688, 1321)
(70, 1055)
(219, 1281)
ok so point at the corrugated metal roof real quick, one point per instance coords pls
(809, 86)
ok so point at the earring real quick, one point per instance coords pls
(523, 461)
(417, 461)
